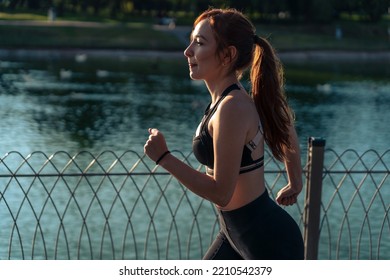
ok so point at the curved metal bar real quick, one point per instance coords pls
(110, 206)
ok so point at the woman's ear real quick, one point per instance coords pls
(229, 55)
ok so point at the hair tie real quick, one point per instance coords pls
(256, 39)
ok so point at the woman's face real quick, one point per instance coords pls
(201, 53)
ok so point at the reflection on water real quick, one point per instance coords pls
(51, 109)
(345, 103)
(100, 104)
(347, 114)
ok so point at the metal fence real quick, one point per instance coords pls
(113, 206)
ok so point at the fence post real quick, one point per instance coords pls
(312, 207)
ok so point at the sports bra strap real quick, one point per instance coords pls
(252, 145)
(210, 113)
(223, 95)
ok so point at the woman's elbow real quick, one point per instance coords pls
(222, 200)
(223, 191)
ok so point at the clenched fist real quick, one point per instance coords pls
(156, 145)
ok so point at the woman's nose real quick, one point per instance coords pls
(188, 51)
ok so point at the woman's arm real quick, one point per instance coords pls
(229, 137)
(288, 195)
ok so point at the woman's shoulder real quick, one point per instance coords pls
(239, 105)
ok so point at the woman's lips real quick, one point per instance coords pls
(192, 65)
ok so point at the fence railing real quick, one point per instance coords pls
(355, 206)
(113, 206)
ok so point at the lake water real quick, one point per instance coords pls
(79, 103)
(52, 104)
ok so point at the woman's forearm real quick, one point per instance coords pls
(196, 181)
(293, 161)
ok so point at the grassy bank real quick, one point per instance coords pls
(131, 36)
(356, 36)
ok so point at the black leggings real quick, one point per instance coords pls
(258, 230)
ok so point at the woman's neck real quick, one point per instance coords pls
(216, 88)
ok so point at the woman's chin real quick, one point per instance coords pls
(194, 76)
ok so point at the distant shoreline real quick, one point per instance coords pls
(313, 46)
(294, 56)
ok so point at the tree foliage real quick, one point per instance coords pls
(298, 10)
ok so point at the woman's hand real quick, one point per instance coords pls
(155, 146)
(288, 195)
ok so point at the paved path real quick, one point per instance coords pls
(181, 32)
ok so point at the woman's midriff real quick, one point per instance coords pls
(248, 188)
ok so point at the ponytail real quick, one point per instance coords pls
(268, 94)
(232, 28)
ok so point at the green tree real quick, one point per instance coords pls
(321, 11)
(375, 9)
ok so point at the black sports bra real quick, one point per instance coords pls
(202, 143)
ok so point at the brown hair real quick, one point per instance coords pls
(232, 28)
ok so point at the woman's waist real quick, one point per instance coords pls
(258, 209)
(243, 196)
